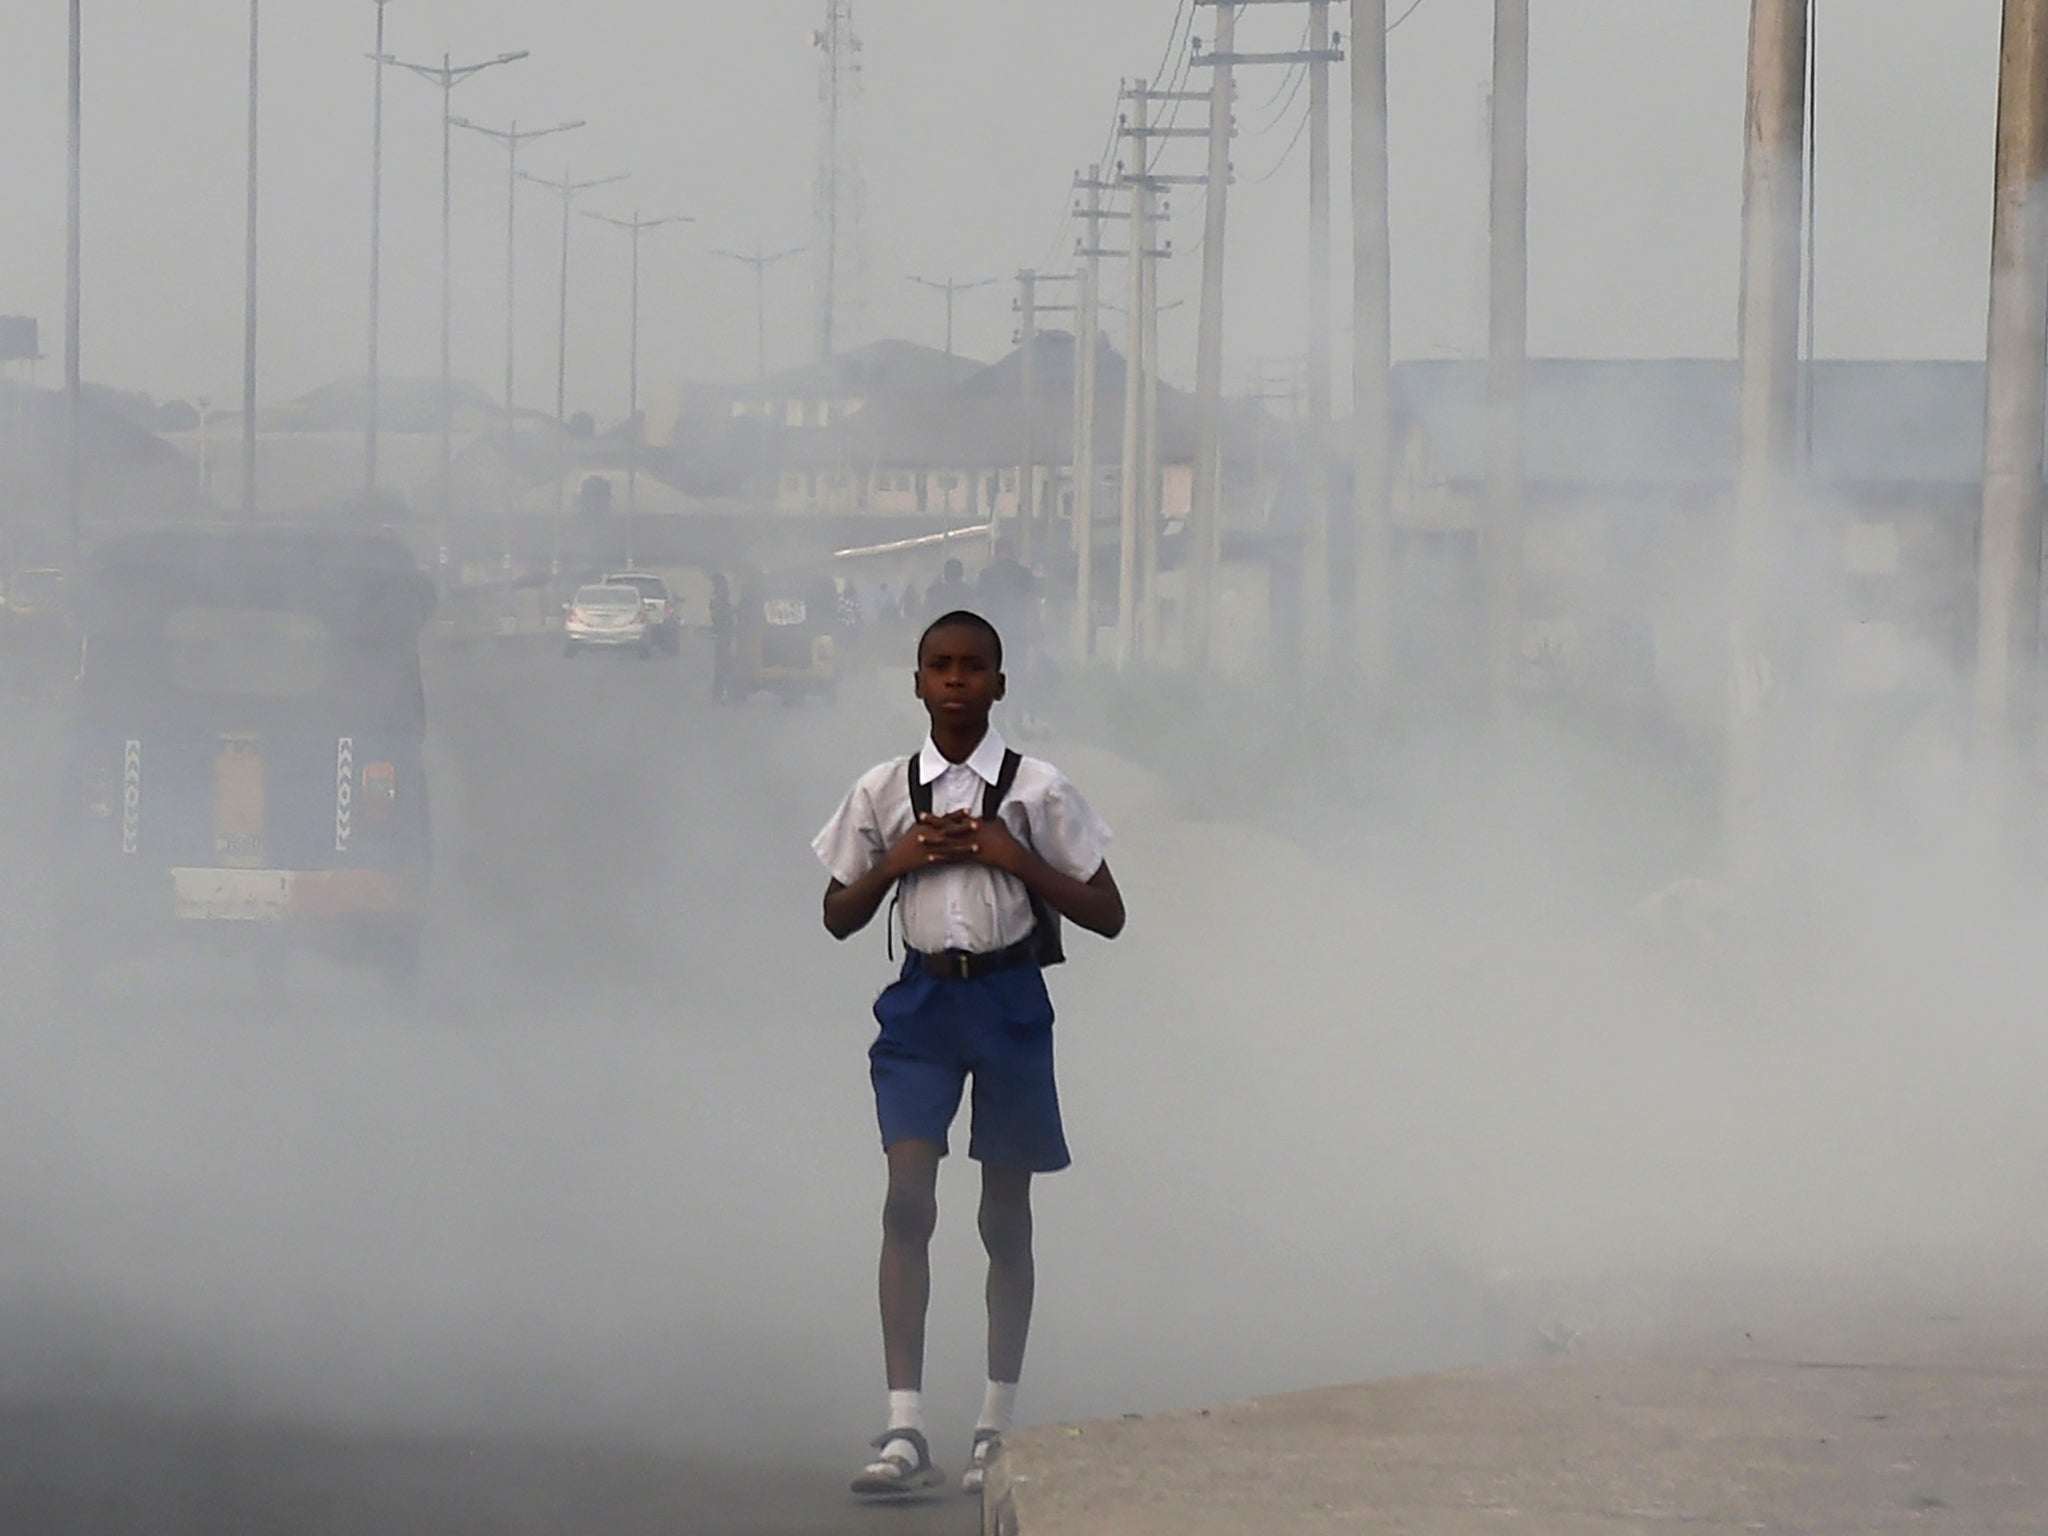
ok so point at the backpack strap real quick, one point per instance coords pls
(1006, 780)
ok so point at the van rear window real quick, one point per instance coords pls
(247, 653)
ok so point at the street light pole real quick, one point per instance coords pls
(635, 227)
(512, 139)
(74, 388)
(249, 281)
(951, 288)
(376, 266)
(569, 189)
(447, 76)
(760, 262)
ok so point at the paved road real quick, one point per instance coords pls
(587, 1243)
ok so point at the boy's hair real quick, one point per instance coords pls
(961, 618)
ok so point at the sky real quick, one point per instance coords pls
(973, 118)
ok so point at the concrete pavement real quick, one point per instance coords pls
(1932, 1425)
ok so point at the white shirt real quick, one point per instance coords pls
(964, 906)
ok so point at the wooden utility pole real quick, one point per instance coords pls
(1087, 333)
(1768, 331)
(1150, 489)
(74, 378)
(1133, 501)
(2009, 575)
(249, 273)
(1371, 364)
(1027, 474)
(1315, 569)
(1206, 517)
(1507, 342)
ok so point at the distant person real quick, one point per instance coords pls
(1009, 596)
(985, 851)
(950, 591)
(724, 640)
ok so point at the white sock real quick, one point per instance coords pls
(998, 1407)
(906, 1411)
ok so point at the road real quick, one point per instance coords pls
(588, 1242)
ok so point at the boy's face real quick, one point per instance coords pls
(957, 675)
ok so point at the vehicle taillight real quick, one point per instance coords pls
(96, 791)
(379, 800)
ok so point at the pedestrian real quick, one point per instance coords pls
(950, 591)
(985, 851)
(724, 640)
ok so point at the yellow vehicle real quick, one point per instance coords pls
(786, 639)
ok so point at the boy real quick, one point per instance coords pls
(980, 868)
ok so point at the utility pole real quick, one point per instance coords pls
(1768, 330)
(1205, 521)
(1151, 487)
(838, 194)
(1507, 342)
(1316, 574)
(512, 140)
(448, 75)
(635, 227)
(1031, 516)
(249, 280)
(1133, 499)
(2009, 576)
(74, 378)
(371, 423)
(1372, 346)
(760, 261)
(950, 287)
(1088, 332)
(568, 189)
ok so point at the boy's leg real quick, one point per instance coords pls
(910, 1214)
(1012, 1276)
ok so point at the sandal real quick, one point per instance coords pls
(894, 1473)
(988, 1445)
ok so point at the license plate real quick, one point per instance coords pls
(231, 895)
(784, 612)
(239, 802)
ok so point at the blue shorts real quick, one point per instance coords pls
(937, 1033)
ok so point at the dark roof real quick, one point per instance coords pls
(1596, 421)
(403, 404)
(880, 369)
(978, 425)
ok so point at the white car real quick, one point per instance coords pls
(663, 612)
(607, 618)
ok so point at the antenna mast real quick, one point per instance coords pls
(840, 196)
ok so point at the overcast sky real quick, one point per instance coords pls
(975, 115)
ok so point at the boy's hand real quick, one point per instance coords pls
(992, 843)
(932, 841)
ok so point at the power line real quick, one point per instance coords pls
(1418, 5)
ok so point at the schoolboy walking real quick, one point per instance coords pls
(985, 851)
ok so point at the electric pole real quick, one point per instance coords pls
(249, 279)
(950, 288)
(1032, 516)
(1205, 520)
(838, 195)
(568, 189)
(512, 140)
(1507, 341)
(1768, 331)
(1088, 331)
(447, 75)
(635, 227)
(1133, 499)
(371, 423)
(1372, 346)
(1316, 574)
(2009, 576)
(760, 261)
(74, 379)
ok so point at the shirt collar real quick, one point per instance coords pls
(986, 761)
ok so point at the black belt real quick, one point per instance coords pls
(964, 965)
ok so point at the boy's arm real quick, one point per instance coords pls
(1095, 903)
(934, 840)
